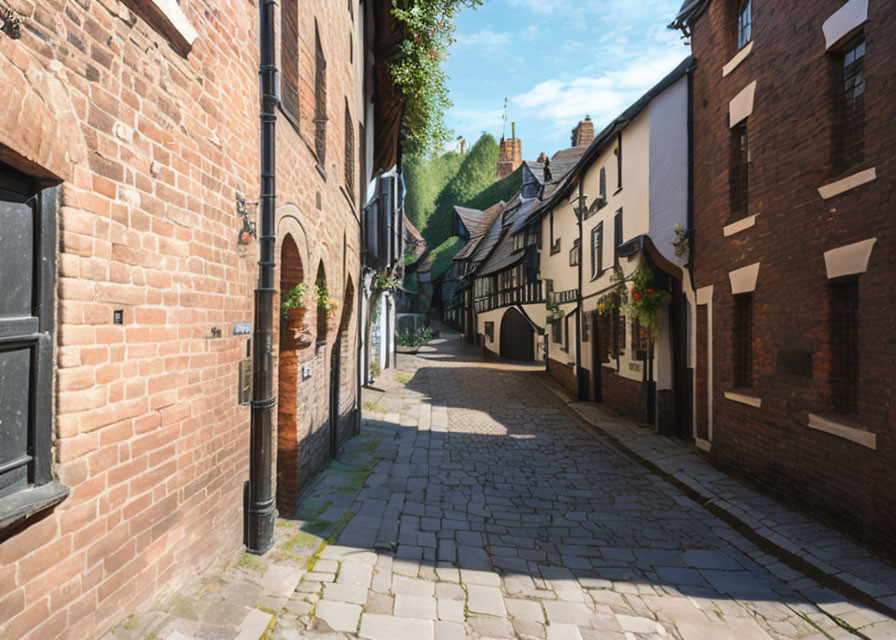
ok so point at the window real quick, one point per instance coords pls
(844, 345)
(575, 253)
(744, 23)
(519, 241)
(349, 151)
(604, 336)
(617, 235)
(320, 100)
(555, 244)
(603, 185)
(611, 334)
(618, 153)
(27, 278)
(533, 236)
(556, 332)
(289, 57)
(739, 173)
(597, 249)
(850, 126)
(640, 341)
(566, 334)
(742, 341)
(618, 332)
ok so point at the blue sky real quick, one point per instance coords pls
(556, 61)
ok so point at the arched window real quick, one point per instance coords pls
(349, 152)
(320, 100)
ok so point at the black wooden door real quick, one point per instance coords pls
(517, 337)
(596, 357)
(335, 383)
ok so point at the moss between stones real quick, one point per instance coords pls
(251, 563)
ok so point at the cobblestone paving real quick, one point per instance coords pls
(475, 505)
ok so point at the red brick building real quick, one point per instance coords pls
(793, 112)
(127, 132)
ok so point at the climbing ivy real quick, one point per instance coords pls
(417, 71)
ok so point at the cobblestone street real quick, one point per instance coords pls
(476, 505)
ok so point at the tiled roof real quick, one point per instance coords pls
(490, 240)
(488, 218)
(473, 220)
(504, 255)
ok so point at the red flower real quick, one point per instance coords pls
(637, 296)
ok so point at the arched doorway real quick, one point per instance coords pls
(291, 274)
(517, 336)
(341, 378)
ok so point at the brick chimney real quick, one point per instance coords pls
(510, 154)
(583, 134)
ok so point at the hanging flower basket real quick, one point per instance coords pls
(646, 302)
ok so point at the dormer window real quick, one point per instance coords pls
(744, 23)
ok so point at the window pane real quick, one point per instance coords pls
(15, 413)
(16, 258)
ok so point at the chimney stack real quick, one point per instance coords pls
(583, 134)
(510, 154)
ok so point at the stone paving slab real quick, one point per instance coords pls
(555, 535)
(829, 555)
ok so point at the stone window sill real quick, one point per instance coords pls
(24, 504)
(743, 398)
(846, 184)
(739, 57)
(838, 428)
(739, 225)
(166, 17)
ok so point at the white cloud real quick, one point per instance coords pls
(485, 41)
(604, 96)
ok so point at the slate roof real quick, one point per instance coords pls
(491, 238)
(537, 169)
(473, 219)
(504, 256)
(689, 12)
(487, 219)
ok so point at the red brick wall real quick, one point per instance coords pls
(565, 375)
(627, 397)
(790, 139)
(151, 148)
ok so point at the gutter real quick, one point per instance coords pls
(259, 517)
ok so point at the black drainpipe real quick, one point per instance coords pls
(579, 209)
(260, 517)
(691, 243)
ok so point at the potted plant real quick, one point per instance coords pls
(325, 305)
(294, 306)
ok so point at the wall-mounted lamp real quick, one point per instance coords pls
(242, 210)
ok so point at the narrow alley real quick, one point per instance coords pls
(476, 505)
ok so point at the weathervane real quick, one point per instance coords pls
(504, 131)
